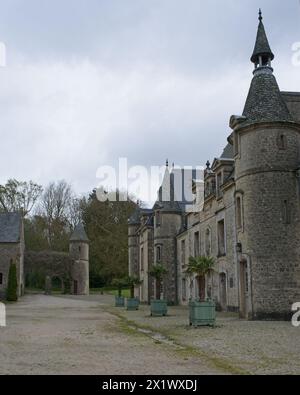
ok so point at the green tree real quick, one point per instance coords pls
(120, 284)
(107, 227)
(132, 283)
(158, 272)
(12, 286)
(200, 266)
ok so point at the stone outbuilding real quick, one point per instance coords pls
(12, 248)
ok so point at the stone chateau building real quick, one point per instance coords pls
(250, 221)
(70, 269)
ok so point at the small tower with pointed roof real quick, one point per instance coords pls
(266, 147)
(79, 252)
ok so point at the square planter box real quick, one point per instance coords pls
(159, 308)
(132, 304)
(202, 313)
(120, 301)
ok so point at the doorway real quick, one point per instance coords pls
(223, 291)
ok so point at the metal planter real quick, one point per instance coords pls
(159, 308)
(120, 301)
(132, 304)
(202, 313)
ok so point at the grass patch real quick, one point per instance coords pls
(110, 291)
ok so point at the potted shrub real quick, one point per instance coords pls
(133, 303)
(159, 306)
(202, 311)
(120, 284)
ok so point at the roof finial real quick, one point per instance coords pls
(167, 163)
(208, 165)
(260, 18)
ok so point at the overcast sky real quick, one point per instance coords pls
(89, 81)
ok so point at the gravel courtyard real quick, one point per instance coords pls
(87, 335)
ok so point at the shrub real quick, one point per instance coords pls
(12, 285)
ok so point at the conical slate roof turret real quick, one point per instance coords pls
(79, 234)
(264, 102)
(262, 47)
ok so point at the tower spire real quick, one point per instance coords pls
(262, 55)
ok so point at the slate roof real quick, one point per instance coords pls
(228, 152)
(179, 184)
(79, 234)
(264, 101)
(262, 46)
(10, 227)
(135, 218)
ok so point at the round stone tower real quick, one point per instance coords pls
(79, 252)
(167, 223)
(267, 160)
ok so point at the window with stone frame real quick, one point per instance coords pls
(158, 254)
(221, 238)
(239, 212)
(142, 259)
(282, 142)
(183, 252)
(196, 244)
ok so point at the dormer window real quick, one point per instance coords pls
(219, 183)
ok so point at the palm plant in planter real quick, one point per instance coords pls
(159, 306)
(202, 312)
(120, 283)
(132, 302)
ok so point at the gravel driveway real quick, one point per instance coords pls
(65, 335)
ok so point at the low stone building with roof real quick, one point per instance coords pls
(250, 220)
(71, 270)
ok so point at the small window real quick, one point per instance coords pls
(183, 252)
(79, 248)
(239, 213)
(1, 278)
(221, 238)
(142, 259)
(282, 142)
(231, 283)
(196, 244)
(158, 254)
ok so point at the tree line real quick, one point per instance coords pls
(51, 213)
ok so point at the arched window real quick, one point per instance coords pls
(158, 254)
(239, 214)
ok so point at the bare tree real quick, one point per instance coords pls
(19, 196)
(55, 205)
